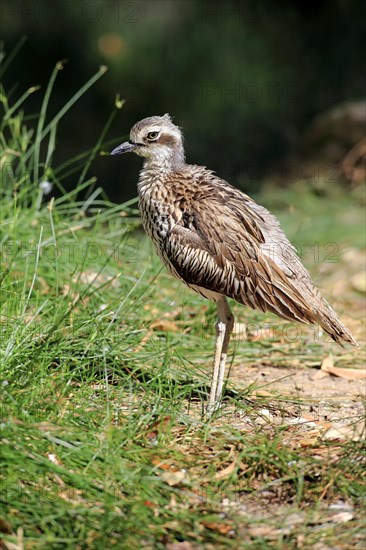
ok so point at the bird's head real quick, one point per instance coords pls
(158, 140)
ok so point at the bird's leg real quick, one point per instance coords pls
(224, 329)
(224, 312)
(220, 335)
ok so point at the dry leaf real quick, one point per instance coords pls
(348, 374)
(327, 363)
(243, 467)
(10, 546)
(174, 478)
(222, 528)
(320, 374)
(310, 442)
(181, 546)
(341, 517)
(353, 432)
(165, 326)
(262, 530)
(164, 465)
(226, 472)
(18, 545)
(143, 341)
(149, 504)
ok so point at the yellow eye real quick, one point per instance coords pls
(152, 135)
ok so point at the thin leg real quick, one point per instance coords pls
(220, 335)
(224, 329)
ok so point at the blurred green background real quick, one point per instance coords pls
(245, 80)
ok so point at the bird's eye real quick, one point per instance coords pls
(152, 135)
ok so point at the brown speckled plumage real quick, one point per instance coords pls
(218, 240)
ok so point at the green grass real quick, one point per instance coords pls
(105, 363)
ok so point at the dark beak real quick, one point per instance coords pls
(126, 147)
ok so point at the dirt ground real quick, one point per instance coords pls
(329, 405)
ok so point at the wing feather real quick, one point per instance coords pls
(223, 242)
(218, 246)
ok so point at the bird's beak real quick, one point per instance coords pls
(125, 147)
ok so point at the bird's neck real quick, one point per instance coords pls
(165, 164)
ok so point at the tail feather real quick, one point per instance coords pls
(328, 320)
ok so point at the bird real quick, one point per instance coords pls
(220, 242)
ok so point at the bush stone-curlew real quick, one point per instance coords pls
(220, 242)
